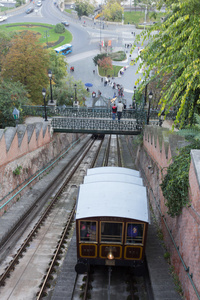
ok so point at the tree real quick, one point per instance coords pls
(98, 57)
(174, 49)
(84, 7)
(65, 92)
(12, 94)
(58, 66)
(105, 63)
(113, 11)
(27, 62)
(5, 43)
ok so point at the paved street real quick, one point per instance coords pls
(84, 66)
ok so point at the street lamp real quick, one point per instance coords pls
(75, 86)
(50, 78)
(148, 114)
(16, 115)
(134, 89)
(45, 109)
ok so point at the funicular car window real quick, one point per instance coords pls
(135, 233)
(88, 231)
(111, 232)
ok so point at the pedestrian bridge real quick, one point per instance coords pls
(96, 120)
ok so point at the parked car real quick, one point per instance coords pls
(65, 23)
(39, 3)
(29, 10)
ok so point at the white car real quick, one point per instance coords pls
(39, 3)
(3, 18)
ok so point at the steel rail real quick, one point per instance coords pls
(61, 241)
(42, 218)
(26, 215)
(119, 153)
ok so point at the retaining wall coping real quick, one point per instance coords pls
(9, 134)
(21, 130)
(38, 127)
(1, 133)
(30, 130)
(195, 157)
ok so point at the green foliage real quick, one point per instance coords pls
(27, 62)
(64, 93)
(17, 170)
(19, 3)
(58, 66)
(84, 7)
(12, 94)
(191, 132)
(175, 183)
(174, 50)
(59, 28)
(99, 57)
(118, 56)
(113, 11)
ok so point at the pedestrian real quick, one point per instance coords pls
(124, 105)
(93, 71)
(119, 110)
(114, 110)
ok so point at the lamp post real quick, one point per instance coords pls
(50, 78)
(16, 115)
(134, 104)
(45, 109)
(148, 114)
(75, 96)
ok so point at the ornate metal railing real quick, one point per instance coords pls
(100, 113)
(103, 126)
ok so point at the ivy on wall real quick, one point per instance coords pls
(175, 183)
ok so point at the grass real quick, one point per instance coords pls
(46, 32)
(118, 56)
(137, 17)
(113, 72)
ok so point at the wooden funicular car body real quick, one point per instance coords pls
(111, 219)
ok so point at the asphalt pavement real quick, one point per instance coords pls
(83, 70)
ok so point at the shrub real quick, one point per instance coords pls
(59, 28)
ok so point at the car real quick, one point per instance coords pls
(39, 3)
(65, 23)
(29, 10)
(3, 18)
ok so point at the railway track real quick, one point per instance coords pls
(45, 221)
(59, 214)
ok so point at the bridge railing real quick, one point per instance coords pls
(99, 113)
(95, 125)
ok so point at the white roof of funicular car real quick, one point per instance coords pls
(111, 170)
(113, 177)
(112, 199)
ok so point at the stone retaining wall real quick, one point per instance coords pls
(25, 150)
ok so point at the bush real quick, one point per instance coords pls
(59, 28)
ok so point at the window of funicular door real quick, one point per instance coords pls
(88, 231)
(135, 233)
(111, 232)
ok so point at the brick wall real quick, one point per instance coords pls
(159, 146)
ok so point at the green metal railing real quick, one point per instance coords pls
(84, 112)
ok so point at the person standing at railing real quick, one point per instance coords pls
(120, 107)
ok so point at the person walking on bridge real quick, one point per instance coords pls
(119, 110)
(114, 110)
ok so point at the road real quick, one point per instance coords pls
(86, 38)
